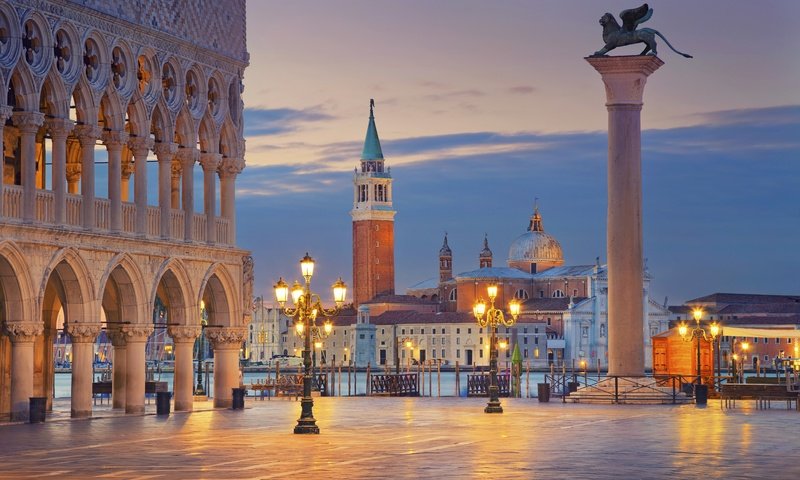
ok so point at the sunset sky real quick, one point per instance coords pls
(483, 106)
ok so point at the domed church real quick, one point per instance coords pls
(565, 305)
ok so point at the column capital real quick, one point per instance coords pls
(28, 122)
(73, 171)
(87, 134)
(184, 334)
(165, 150)
(226, 337)
(625, 76)
(136, 333)
(117, 337)
(127, 168)
(140, 146)
(5, 114)
(114, 139)
(24, 332)
(210, 161)
(230, 167)
(187, 156)
(59, 127)
(177, 168)
(83, 332)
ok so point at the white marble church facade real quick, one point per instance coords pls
(130, 82)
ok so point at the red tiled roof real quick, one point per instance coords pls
(407, 299)
(731, 298)
(768, 308)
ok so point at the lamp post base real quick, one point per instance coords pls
(493, 407)
(305, 425)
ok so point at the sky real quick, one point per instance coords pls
(482, 107)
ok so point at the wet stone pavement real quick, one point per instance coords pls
(414, 438)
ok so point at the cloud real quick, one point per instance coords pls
(522, 90)
(263, 121)
(779, 115)
(457, 94)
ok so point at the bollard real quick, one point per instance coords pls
(701, 394)
(38, 409)
(544, 392)
(162, 402)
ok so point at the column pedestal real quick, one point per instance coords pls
(82, 336)
(226, 342)
(136, 340)
(624, 79)
(183, 384)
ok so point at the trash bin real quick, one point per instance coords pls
(544, 392)
(572, 386)
(687, 388)
(701, 394)
(238, 398)
(162, 402)
(38, 409)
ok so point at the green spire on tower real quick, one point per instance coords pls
(372, 146)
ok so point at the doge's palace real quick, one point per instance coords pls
(96, 89)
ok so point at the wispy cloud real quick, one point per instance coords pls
(263, 121)
(522, 90)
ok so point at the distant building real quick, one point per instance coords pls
(267, 327)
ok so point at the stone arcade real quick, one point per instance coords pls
(94, 79)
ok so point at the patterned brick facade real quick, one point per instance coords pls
(373, 259)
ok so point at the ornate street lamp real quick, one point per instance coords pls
(405, 341)
(697, 333)
(743, 346)
(492, 317)
(307, 307)
(199, 390)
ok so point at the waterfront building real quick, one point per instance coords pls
(268, 326)
(95, 91)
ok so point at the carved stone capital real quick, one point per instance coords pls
(127, 168)
(117, 338)
(28, 122)
(226, 337)
(83, 332)
(87, 134)
(5, 114)
(625, 77)
(165, 151)
(73, 172)
(210, 161)
(140, 146)
(177, 168)
(136, 333)
(59, 127)
(181, 334)
(230, 167)
(187, 156)
(114, 140)
(24, 332)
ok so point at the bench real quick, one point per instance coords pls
(764, 394)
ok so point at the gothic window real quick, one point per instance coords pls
(602, 329)
(521, 294)
(558, 294)
(453, 295)
(541, 293)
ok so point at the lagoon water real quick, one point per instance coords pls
(442, 385)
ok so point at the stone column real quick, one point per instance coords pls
(175, 183)
(226, 342)
(22, 335)
(60, 129)
(210, 162)
(127, 171)
(28, 124)
(183, 383)
(187, 157)
(83, 336)
(5, 114)
(228, 171)
(118, 341)
(87, 135)
(114, 142)
(164, 152)
(73, 167)
(140, 148)
(624, 79)
(136, 340)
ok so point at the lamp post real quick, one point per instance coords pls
(307, 307)
(492, 317)
(406, 341)
(199, 390)
(744, 346)
(697, 333)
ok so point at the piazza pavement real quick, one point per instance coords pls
(369, 437)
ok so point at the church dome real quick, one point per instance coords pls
(535, 246)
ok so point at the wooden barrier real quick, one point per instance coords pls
(478, 384)
(395, 385)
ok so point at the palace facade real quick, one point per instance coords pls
(98, 90)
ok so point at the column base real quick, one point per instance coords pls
(183, 406)
(20, 416)
(134, 409)
(80, 413)
(223, 402)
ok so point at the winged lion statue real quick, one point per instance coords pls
(615, 35)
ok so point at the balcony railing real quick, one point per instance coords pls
(45, 215)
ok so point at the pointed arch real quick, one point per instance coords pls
(173, 284)
(138, 122)
(160, 124)
(16, 284)
(23, 88)
(228, 140)
(76, 280)
(54, 98)
(112, 112)
(86, 105)
(185, 131)
(218, 291)
(208, 135)
(128, 293)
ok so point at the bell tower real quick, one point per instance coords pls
(373, 221)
